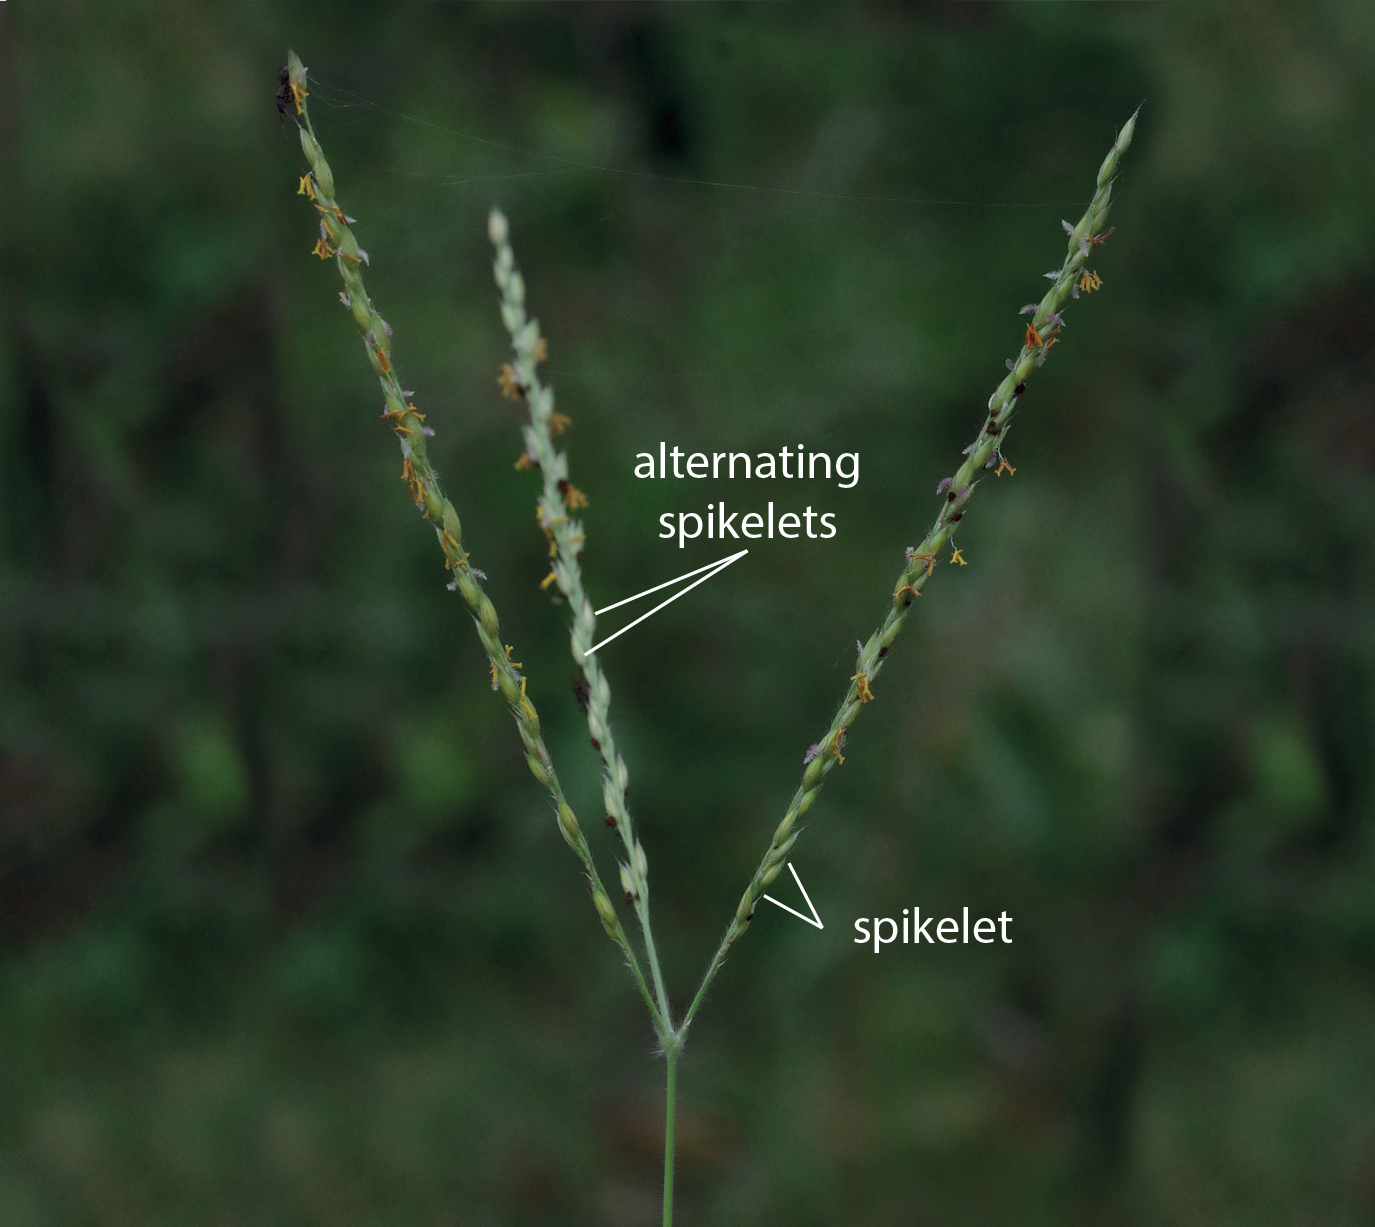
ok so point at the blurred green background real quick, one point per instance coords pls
(287, 935)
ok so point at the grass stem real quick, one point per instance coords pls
(670, 1111)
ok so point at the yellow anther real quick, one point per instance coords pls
(928, 559)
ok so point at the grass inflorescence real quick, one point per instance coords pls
(559, 499)
(337, 242)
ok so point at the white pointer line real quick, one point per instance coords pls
(712, 568)
(815, 918)
(668, 583)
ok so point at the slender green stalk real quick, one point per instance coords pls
(670, 1112)
(558, 499)
(1042, 333)
(337, 242)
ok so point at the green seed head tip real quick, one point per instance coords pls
(1119, 147)
(1124, 138)
(497, 229)
(294, 65)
